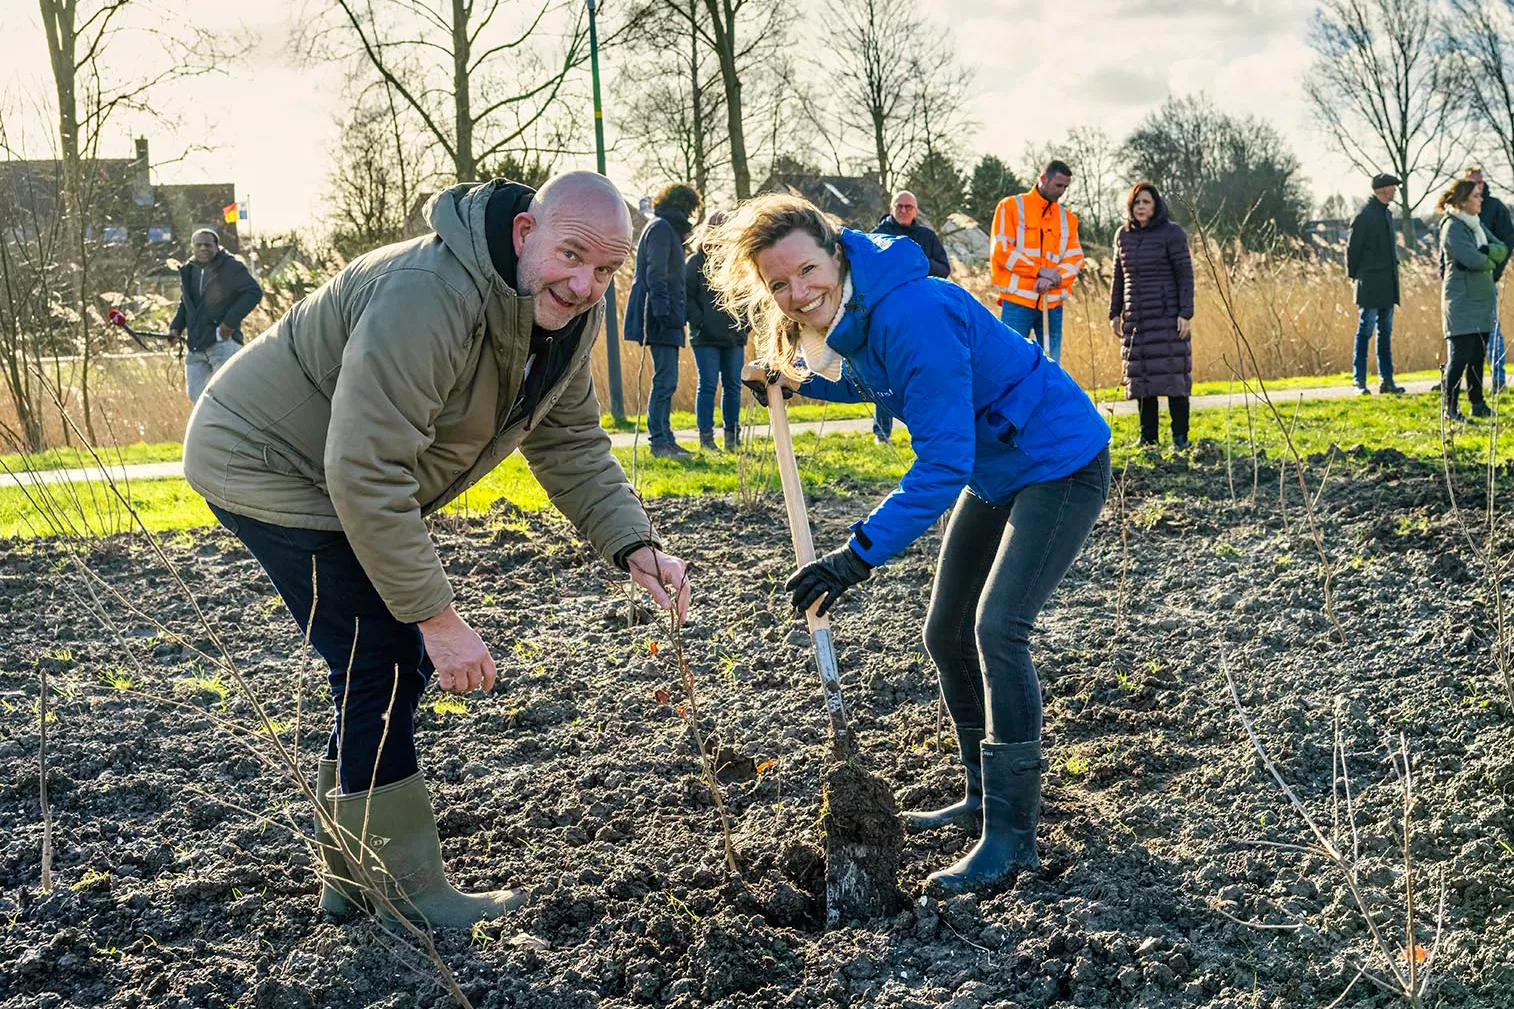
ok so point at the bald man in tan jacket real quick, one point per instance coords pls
(373, 402)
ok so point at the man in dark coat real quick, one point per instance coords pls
(656, 308)
(1498, 223)
(1372, 261)
(904, 219)
(217, 292)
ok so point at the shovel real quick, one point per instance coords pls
(863, 835)
(118, 318)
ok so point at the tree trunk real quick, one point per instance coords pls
(701, 173)
(723, 14)
(59, 22)
(882, 150)
(1408, 217)
(462, 104)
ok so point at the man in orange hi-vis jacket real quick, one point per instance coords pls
(1036, 257)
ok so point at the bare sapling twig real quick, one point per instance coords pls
(641, 396)
(1224, 286)
(1122, 594)
(1484, 543)
(47, 809)
(1402, 977)
(691, 714)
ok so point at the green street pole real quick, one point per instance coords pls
(612, 322)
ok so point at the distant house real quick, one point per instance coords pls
(857, 199)
(126, 210)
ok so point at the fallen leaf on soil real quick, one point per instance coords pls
(661, 696)
(767, 765)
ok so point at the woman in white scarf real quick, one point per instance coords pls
(1468, 256)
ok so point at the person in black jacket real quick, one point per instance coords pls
(1497, 222)
(656, 307)
(217, 293)
(903, 219)
(719, 342)
(1372, 261)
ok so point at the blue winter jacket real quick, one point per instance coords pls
(986, 409)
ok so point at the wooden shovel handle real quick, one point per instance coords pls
(804, 550)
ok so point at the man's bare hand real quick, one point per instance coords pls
(461, 658)
(1117, 327)
(658, 572)
(1183, 327)
(225, 332)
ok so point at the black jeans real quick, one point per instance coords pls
(1464, 353)
(1176, 405)
(374, 661)
(998, 566)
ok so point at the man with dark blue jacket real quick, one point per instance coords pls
(904, 219)
(217, 293)
(656, 307)
(1372, 262)
(1497, 221)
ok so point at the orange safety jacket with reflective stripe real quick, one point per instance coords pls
(1029, 234)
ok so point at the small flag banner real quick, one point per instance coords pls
(229, 213)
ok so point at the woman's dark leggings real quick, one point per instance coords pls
(1464, 353)
(998, 566)
(1176, 405)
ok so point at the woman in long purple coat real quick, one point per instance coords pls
(1150, 310)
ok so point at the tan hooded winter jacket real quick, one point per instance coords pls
(384, 395)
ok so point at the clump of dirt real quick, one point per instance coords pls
(177, 886)
(863, 839)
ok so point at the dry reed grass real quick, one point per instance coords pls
(1299, 314)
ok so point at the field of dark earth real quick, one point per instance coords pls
(178, 881)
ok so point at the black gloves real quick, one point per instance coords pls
(829, 576)
(759, 387)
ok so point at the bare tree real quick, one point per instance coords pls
(1483, 40)
(79, 35)
(895, 76)
(377, 175)
(739, 31)
(1379, 87)
(675, 119)
(478, 85)
(1096, 177)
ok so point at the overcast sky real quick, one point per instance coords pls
(271, 124)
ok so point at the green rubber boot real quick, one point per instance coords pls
(401, 857)
(340, 898)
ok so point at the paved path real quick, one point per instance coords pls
(162, 470)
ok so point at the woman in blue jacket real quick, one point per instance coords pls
(997, 428)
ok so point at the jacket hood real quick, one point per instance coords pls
(457, 216)
(878, 264)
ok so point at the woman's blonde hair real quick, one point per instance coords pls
(752, 228)
(1456, 194)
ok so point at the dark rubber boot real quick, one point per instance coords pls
(1011, 810)
(966, 812)
(732, 440)
(707, 441)
(400, 856)
(339, 897)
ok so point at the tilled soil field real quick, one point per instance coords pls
(175, 885)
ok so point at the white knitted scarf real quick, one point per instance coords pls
(1471, 221)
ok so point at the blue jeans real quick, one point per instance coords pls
(1367, 320)
(1495, 348)
(722, 364)
(370, 656)
(1027, 322)
(660, 401)
(883, 423)
(998, 567)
